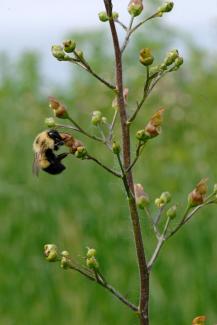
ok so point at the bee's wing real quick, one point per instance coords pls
(35, 165)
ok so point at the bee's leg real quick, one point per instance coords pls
(62, 156)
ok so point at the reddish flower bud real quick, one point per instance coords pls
(58, 108)
(142, 198)
(200, 320)
(153, 128)
(196, 197)
(135, 7)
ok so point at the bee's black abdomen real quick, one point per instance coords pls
(55, 169)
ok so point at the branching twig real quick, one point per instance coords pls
(101, 281)
(83, 64)
(138, 153)
(160, 243)
(121, 24)
(145, 95)
(103, 166)
(79, 129)
(127, 35)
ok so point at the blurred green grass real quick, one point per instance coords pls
(86, 207)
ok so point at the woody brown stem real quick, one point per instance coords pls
(143, 270)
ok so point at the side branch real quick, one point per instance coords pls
(95, 277)
(111, 171)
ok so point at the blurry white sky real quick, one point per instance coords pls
(37, 24)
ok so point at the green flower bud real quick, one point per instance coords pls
(155, 69)
(58, 53)
(80, 54)
(103, 16)
(65, 263)
(171, 57)
(165, 197)
(65, 253)
(92, 263)
(115, 15)
(91, 252)
(166, 7)
(69, 46)
(81, 152)
(135, 7)
(96, 118)
(215, 188)
(116, 148)
(50, 122)
(141, 135)
(179, 61)
(163, 67)
(146, 57)
(158, 203)
(104, 120)
(51, 252)
(171, 212)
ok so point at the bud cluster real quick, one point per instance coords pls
(172, 62)
(164, 198)
(142, 198)
(104, 17)
(153, 128)
(91, 259)
(197, 196)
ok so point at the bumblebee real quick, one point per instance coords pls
(44, 146)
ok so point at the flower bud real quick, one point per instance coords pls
(146, 57)
(153, 128)
(200, 320)
(58, 53)
(141, 135)
(91, 252)
(81, 152)
(179, 61)
(59, 109)
(65, 263)
(103, 16)
(96, 118)
(171, 57)
(51, 252)
(65, 253)
(166, 7)
(215, 188)
(69, 46)
(80, 54)
(116, 148)
(158, 203)
(196, 197)
(92, 263)
(135, 7)
(50, 122)
(142, 198)
(165, 197)
(115, 15)
(171, 212)
(104, 120)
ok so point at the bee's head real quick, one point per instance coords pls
(56, 137)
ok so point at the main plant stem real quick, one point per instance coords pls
(129, 186)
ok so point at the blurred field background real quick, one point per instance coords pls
(84, 206)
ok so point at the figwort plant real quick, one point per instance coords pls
(121, 149)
